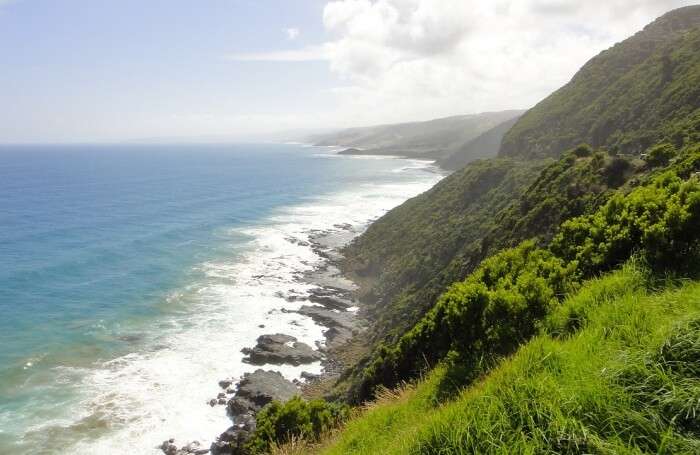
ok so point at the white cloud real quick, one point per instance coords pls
(413, 59)
(292, 33)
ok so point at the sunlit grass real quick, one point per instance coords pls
(616, 370)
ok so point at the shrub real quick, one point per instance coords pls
(660, 155)
(278, 423)
(486, 316)
(660, 219)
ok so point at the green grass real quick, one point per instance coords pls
(616, 370)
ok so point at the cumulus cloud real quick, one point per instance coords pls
(417, 59)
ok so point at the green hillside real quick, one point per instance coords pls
(486, 145)
(627, 98)
(545, 305)
(615, 370)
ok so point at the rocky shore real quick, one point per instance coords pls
(330, 303)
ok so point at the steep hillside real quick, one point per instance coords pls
(408, 257)
(486, 145)
(433, 139)
(627, 98)
(614, 371)
(551, 303)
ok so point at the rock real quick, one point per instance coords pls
(221, 395)
(221, 401)
(262, 326)
(230, 390)
(309, 376)
(278, 349)
(221, 448)
(258, 389)
(213, 402)
(333, 298)
(168, 447)
(195, 448)
(225, 383)
(341, 325)
(239, 405)
(234, 438)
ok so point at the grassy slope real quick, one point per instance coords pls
(629, 96)
(609, 387)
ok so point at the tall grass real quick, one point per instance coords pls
(616, 370)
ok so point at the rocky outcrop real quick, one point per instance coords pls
(254, 391)
(258, 389)
(193, 448)
(278, 349)
(341, 325)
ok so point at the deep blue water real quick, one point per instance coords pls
(91, 234)
(93, 239)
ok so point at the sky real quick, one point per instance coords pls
(130, 70)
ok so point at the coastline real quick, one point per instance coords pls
(252, 235)
(330, 302)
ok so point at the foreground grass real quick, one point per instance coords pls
(616, 370)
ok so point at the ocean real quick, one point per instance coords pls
(131, 276)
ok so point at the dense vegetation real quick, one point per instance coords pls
(408, 257)
(488, 314)
(614, 371)
(280, 423)
(499, 305)
(546, 306)
(417, 250)
(627, 98)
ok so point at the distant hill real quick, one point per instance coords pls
(433, 139)
(628, 97)
(485, 145)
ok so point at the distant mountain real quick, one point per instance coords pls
(485, 145)
(434, 139)
(628, 97)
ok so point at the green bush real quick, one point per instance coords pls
(660, 220)
(660, 155)
(278, 423)
(486, 316)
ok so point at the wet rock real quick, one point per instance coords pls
(334, 299)
(309, 376)
(195, 448)
(168, 447)
(221, 448)
(341, 325)
(278, 349)
(225, 383)
(258, 389)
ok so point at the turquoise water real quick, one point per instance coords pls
(121, 267)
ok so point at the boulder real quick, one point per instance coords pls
(225, 383)
(258, 389)
(280, 349)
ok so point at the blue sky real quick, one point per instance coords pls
(113, 70)
(73, 68)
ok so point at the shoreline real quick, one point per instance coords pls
(331, 303)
